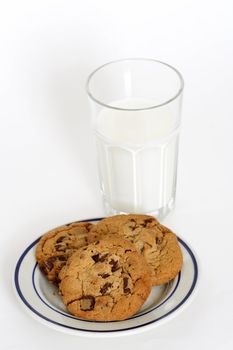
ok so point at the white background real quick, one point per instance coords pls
(48, 165)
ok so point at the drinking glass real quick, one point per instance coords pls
(136, 117)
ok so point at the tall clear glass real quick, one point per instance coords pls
(136, 118)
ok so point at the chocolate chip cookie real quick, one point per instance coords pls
(162, 252)
(125, 225)
(155, 242)
(56, 246)
(105, 281)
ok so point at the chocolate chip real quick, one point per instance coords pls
(60, 239)
(158, 240)
(147, 222)
(87, 303)
(62, 258)
(125, 285)
(163, 229)
(142, 249)
(103, 257)
(88, 226)
(125, 282)
(57, 280)
(50, 262)
(43, 269)
(134, 226)
(59, 247)
(105, 287)
(104, 275)
(114, 264)
(95, 257)
(99, 258)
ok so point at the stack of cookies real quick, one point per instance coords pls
(105, 271)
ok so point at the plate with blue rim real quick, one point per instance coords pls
(41, 298)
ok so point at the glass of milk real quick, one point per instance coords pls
(136, 118)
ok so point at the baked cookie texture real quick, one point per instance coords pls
(157, 243)
(56, 246)
(107, 280)
(122, 225)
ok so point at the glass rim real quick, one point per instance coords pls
(179, 92)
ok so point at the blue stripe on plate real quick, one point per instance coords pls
(22, 297)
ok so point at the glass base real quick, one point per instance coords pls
(160, 213)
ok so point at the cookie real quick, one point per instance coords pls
(105, 281)
(162, 252)
(155, 242)
(121, 224)
(56, 246)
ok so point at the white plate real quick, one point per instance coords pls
(43, 302)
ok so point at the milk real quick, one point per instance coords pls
(137, 152)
